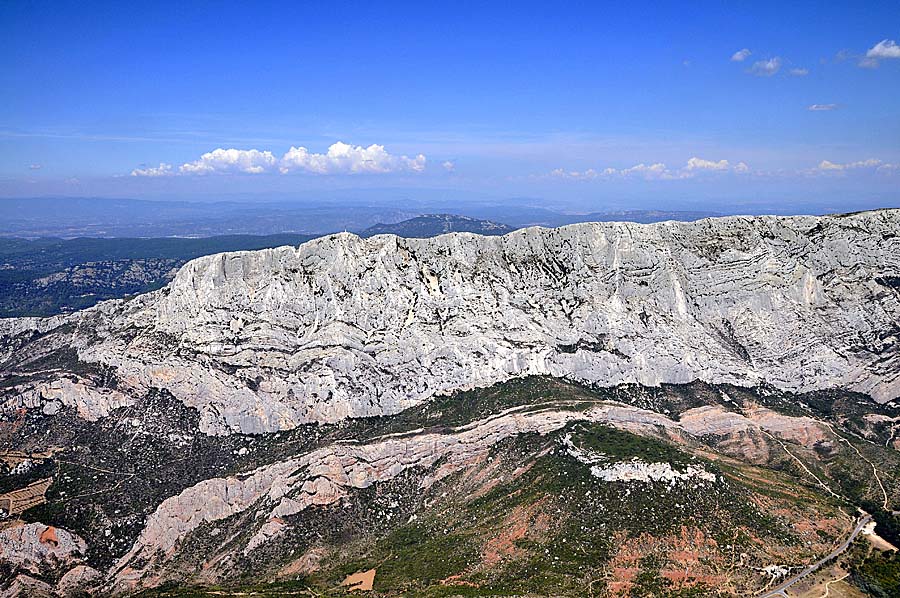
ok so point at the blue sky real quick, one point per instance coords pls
(581, 104)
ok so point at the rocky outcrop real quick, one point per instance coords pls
(346, 327)
(23, 586)
(639, 471)
(78, 581)
(37, 548)
(89, 402)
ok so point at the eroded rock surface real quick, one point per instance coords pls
(347, 327)
(35, 547)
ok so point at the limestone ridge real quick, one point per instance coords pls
(347, 327)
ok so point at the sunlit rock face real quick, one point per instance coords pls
(346, 327)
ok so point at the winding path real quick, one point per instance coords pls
(781, 590)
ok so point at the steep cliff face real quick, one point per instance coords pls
(208, 433)
(348, 327)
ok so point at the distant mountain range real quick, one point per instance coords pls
(431, 225)
(71, 217)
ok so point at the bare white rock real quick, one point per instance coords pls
(346, 327)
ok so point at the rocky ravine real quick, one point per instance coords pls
(344, 327)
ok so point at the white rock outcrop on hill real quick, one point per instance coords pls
(346, 327)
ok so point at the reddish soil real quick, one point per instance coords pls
(524, 520)
(691, 559)
(48, 536)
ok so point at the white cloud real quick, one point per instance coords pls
(162, 170)
(799, 72)
(740, 55)
(655, 171)
(588, 174)
(822, 107)
(35, 166)
(827, 166)
(344, 158)
(766, 68)
(224, 161)
(701, 169)
(886, 48)
(341, 158)
(883, 50)
(701, 164)
(448, 165)
(870, 163)
(652, 171)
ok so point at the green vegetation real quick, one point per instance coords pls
(875, 573)
(620, 445)
(549, 526)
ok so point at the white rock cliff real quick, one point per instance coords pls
(345, 327)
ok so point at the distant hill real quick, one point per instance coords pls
(43, 277)
(431, 225)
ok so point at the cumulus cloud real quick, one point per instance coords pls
(740, 55)
(35, 166)
(827, 167)
(223, 161)
(448, 165)
(340, 158)
(344, 158)
(701, 164)
(162, 170)
(647, 171)
(799, 72)
(886, 48)
(822, 107)
(655, 171)
(766, 68)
